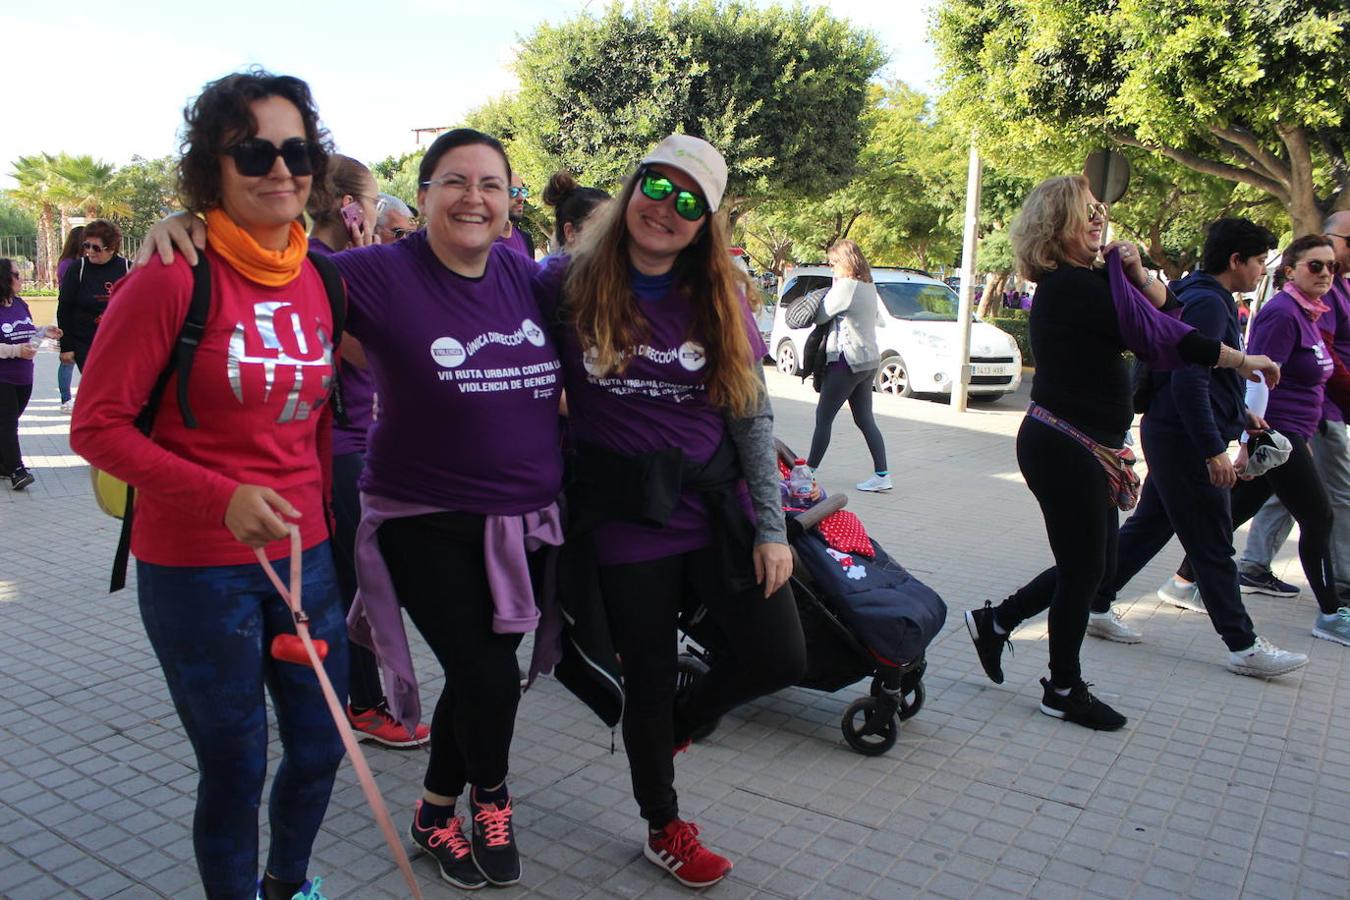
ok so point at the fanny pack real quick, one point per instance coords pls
(1122, 483)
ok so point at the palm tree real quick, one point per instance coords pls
(36, 177)
(93, 187)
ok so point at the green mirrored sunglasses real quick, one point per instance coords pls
(688, 205)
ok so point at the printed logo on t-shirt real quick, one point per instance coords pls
(448, 352)
(692, 356)
(28, 328)
(533, 333)
(289, 350)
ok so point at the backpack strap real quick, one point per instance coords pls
(337, 304)
(180, 360)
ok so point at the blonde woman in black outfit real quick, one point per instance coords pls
(1083, 381)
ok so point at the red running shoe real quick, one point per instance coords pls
(677, 850)
(379, 726)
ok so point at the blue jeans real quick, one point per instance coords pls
(211, 628)
(64, 373)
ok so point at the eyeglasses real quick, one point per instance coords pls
(1344, 237)
(254, 157)
(400, 233)
(457, 185)
(688, 205)
(1316, 266)
(519, 193)
(92, 248)
(1096, 211)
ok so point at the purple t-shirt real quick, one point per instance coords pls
(16, 327)
(468, 379)
(358, 392)
(1339, 301)
(658, 401)
(516, 243)
(1283, 332)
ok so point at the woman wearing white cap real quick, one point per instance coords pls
(677, 483)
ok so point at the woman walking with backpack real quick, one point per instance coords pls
(250, 471)
(852, 359)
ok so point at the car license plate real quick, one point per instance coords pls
(990, 370)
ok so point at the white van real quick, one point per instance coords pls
(916, 332)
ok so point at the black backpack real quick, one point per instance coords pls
(185, 349)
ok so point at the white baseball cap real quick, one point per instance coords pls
(696, 158)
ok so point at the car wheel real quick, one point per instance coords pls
(893, 377)
(787, 359)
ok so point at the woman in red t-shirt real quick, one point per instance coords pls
(208, 495)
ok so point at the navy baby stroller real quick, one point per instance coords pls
(861, 617)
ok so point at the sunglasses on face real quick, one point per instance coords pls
(254, 157)
(400, 233)
(1096, 211)
(92, 248)
(1316, 266)
(688, 205)
(519, 193)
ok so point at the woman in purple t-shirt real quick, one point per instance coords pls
(16, 372)
(666, 403)
(1286, 330)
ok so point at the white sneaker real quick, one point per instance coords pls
(1183, 594)
(1264, 660)
(1108, 625)
(876, 484)
(67, 406)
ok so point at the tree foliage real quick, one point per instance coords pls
(1250, 91)
(149, 191)
(779, 91)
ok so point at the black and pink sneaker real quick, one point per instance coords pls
(447, 845)
(494, 842)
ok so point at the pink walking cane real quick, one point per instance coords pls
(284, 648)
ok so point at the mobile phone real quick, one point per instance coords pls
(353, 215)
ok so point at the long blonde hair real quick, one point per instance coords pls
(1054, 211)
(598, 296)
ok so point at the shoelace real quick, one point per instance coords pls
(1005, 637)
(451, 834)
(1264, 646)
(496, 823)
(684, 841)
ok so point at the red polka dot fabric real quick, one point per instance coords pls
(844, 532)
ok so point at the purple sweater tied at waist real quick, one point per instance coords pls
(376, 619)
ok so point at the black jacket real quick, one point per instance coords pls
(83, 299)
(1208, 404)
(642, 488)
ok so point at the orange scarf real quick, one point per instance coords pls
(271, 268)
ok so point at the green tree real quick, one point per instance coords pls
(92, 187)
(150, 189)
(35, 177)
(16, 221)
(1250, 91)
(397, 175)
(779, 91)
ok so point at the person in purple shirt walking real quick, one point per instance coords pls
(675, 471)
(1287, 329)
(16, 371)
(343, 219)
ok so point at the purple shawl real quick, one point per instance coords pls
(1149, 333)
(376, 618)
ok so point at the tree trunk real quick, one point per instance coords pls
(45, 264)
(993, 284)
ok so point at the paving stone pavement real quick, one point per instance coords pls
(1220, 786)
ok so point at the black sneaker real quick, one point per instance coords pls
(1266, 583)
(446, 844)
(988, 644)
(1080, 708)
(494, 842)
(21, 478)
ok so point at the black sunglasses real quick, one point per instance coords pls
(1316, 266)
(254, 157)
(93, 248)
(688, 205)
(400, 233)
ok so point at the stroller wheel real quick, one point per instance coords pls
(865, 729)
(691, 669)
(910, 703)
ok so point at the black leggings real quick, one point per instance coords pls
(1299, 487)
(764, 652)
(439, 571)
(840, 384)
(13, 401)
(1082, 527)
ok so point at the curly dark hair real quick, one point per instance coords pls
(105, 231)
(7, 270)
(220, 116)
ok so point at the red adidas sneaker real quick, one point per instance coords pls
(678, 850)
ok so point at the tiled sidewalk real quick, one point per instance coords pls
(1220, 786)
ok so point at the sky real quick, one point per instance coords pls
(111, 81)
